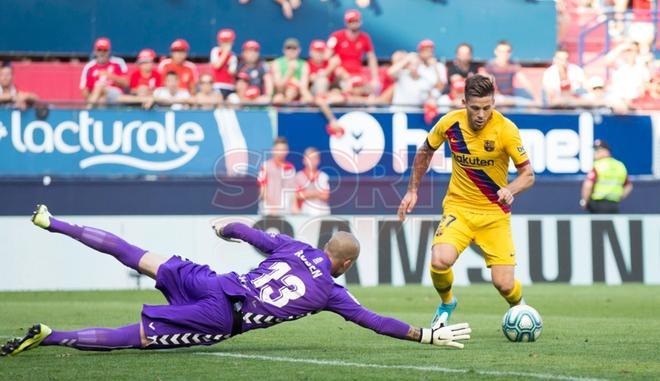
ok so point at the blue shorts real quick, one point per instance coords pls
(199, 312)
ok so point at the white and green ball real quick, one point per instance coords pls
(522, 323)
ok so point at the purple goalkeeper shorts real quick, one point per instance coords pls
(199, 312)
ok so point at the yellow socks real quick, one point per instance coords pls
(515, 295)
(442, 281)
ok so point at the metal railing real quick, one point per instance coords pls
(605, 23)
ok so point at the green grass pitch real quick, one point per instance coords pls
(596, 332)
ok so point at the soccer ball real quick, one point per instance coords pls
(522, 323)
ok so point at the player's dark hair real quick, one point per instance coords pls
(172, 72)
(280, 140)
(504, 42)
(479, 86)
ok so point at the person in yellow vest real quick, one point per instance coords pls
(607, 183)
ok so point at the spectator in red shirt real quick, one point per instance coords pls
(104, 77)
(254, 82)
(224, 63)
(322, 71)
(10, 94)
(144, 80)
(350, 45)
(185, 70)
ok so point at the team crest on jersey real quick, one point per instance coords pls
(489, 145)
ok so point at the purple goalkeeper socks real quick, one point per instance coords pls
(97, 339)
(100, 240)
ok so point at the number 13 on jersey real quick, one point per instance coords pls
(293, 288)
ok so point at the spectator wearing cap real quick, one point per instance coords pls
(254, 82)
(596, 94)
(9, 94)
(350, 45)
(171, 94)
(290, 75)
(322, 71)
(320, 75)
(563, 82)
(312, 186)
(206, 98)
(598, 97)
(606, 184)
(186, 71)
(511, 85)
(462, 64)
(224, 63)
(454, 98)
(430, 69)
(104, 77)
(144, 80)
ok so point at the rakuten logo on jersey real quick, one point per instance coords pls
(127, 140)
(473, 161)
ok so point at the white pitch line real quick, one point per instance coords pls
(542, 376)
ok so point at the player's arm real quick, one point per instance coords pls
(523, 181)
(514, 148)
(343, 304)
(259, 239)
(421, 164)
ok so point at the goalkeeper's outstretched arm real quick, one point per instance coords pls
(343, 303)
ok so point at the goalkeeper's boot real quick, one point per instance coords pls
(41, 216)
(443, 313)
(32, 339)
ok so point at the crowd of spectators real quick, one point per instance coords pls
(335, 74)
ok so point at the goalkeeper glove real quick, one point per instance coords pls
(219, 231)
(446, 336)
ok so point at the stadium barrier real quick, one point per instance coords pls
(133, 142)
(228, 142)
(579, 250)
(558, 143)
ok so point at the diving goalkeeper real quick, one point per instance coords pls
(204, 308)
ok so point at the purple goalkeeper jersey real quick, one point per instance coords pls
(293, 282)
